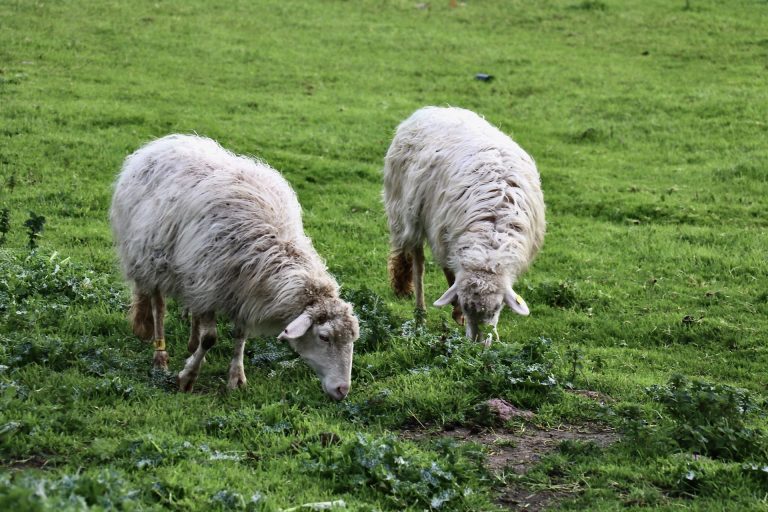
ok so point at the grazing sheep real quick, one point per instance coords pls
(223, 233)
(475, 195)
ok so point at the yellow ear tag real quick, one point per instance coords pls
(160, 344)
(518, 299)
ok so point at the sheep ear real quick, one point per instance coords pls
(448, 296)
(297, 328)
(516, 303)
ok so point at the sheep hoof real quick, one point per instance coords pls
(160, 360)
(236, 377)
(186, 380)
(236, 382)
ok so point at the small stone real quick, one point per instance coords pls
(506, 411)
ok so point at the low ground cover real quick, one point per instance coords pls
(649, 303)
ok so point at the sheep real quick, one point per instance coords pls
(475, 195)
(223, 233)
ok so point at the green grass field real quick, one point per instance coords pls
(649, 124)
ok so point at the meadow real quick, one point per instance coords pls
(645, 352)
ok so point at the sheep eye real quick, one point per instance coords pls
(324, 338)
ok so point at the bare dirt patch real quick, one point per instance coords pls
(517, 452)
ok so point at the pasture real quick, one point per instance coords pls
(644, 359)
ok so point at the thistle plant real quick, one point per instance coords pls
(34, 224)
(5, 224)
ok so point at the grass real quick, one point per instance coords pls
(647, 122)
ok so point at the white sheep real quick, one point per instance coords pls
(475, 195)
(223, 233)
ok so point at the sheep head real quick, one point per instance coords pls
(323, 336)
(481, 296)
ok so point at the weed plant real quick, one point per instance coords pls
(402, 475)
(712, 419)
(34, 224)
(5, 224)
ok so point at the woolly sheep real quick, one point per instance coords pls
(475, 195)
(223, 233)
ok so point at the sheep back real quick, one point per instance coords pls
(455, 179)
(218, 231)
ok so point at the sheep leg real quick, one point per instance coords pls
(160, 360)
(194, 334)
(140, 315)
(188, 376)
(400, 268)
(236, 369)
(457, 315)
(418, 276)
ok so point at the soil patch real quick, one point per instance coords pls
(517, 452)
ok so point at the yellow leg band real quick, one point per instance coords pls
(160, 344)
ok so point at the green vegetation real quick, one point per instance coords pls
(647, 120)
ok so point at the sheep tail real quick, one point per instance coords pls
(400, 268)
(140, 316)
